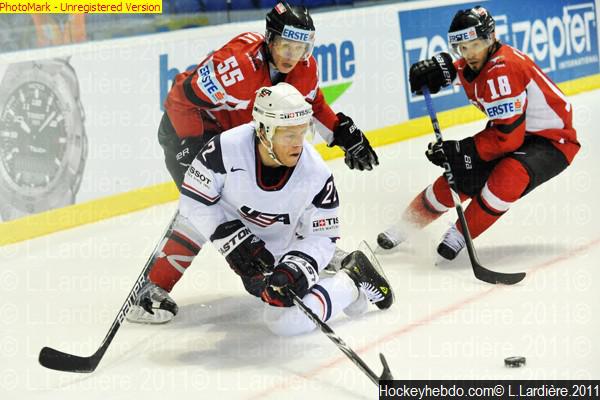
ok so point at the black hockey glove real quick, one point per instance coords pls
(358, 151)
(255, 285)
(245, 252)
(434, 73)
(297, 272)
(461, 155)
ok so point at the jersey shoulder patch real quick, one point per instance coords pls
(327, 197)
(211, 155)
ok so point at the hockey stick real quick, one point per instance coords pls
(386, 375)
(479, 270)
(55, 359)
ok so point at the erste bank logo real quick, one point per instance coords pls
(505, 108)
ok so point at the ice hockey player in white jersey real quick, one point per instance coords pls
(266, 199)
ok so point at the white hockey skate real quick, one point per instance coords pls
(452, 243)
(335, 264)
(154, 306)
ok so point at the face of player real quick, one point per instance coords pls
(475, 52)
(286, 53)
(287, 143)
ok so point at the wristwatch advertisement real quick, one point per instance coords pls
(43, 146)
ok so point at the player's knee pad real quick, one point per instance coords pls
(439, 197)
(175, 253)
(291, 321)
(184, 227)
(506, 184)
(435, 203)
(288, 321)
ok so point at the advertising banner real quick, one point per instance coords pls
(560, 36)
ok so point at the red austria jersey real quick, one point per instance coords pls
(225, 84)
(519, 99)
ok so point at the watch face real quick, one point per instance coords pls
(33, 137)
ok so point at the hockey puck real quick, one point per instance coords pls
(514, 362)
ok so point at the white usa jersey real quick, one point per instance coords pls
(299, 213)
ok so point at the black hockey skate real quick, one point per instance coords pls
(369, 278)
(385, 242)
(392, 236)
(154, 306)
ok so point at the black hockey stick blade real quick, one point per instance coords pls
(480, 272)
(386, 375)
(494, 277)
(57, 360)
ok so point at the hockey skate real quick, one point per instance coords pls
(153, 306)
(390, 238)
(335, 264)
(369, 279)
(395, 235)
(452, 243)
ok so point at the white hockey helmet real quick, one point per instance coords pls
(279, 105)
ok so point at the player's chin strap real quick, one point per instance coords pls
(269, 146)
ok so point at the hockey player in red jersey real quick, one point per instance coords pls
(267, 201)
(528, 139)
(218, 94)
